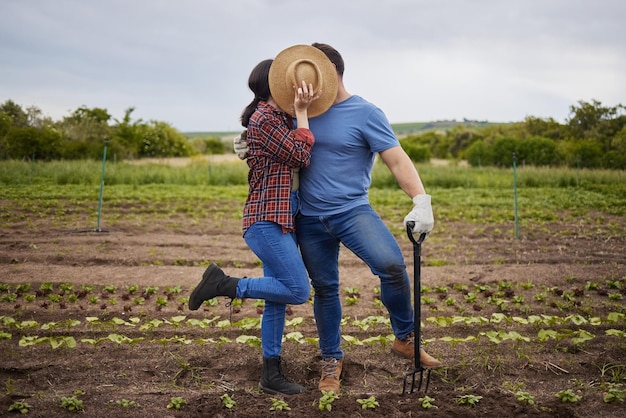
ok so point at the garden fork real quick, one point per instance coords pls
(417, 290)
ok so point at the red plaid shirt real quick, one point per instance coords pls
(274, 149)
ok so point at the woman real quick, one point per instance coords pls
(276, 152)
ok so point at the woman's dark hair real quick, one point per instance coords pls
(260, 86)
(333, 55)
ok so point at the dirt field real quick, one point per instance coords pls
(545, 275)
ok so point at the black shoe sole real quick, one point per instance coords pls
(271, 391)
(194, 304)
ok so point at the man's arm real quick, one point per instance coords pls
(409, 180)
(403, 170)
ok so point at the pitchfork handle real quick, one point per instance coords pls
(409, 230)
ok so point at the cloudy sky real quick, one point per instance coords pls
(186, 62)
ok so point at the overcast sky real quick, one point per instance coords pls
(186, 62)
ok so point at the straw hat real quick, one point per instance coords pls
(303, 62)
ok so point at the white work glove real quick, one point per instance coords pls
(422, 215)
(240, 145)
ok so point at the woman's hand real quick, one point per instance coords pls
(304, 96)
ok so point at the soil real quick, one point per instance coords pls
(546, 271)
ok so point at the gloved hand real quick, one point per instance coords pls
(422, 215)
(240, 145)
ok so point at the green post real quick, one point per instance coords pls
(515, 196)
(104, 159)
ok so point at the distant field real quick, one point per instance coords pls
(401, 129)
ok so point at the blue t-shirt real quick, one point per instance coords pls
(347, 138)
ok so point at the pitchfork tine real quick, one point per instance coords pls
(417, 247)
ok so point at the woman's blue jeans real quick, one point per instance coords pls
(285, 282)
(363, 232)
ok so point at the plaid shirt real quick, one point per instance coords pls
(275, 148)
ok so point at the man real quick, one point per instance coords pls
(335, 210)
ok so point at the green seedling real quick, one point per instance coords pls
(72, 403)
(614, 395)
(150, 290)
(227, 401)
(327, 399)
(46, 287)
(22, 288)
(176, 403)
(20, 406)
(351, 300)
(126, 404)
(568, 396)
(110, 288)
(469, 400)
(173, 290)
(10, 298)
(369, 403)
(525, 397)
(427, 402)
(352, 292)
(279, 405)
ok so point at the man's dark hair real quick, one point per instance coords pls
(333, 55)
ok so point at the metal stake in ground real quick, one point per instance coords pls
(417, 302)
(104, 159)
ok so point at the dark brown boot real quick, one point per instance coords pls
(274, 382)
(214, 283)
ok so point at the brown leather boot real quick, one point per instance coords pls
(406, 349)
(331, 372)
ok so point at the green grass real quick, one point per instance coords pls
(218, 190)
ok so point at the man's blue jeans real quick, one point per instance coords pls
(285, 282)
(363, 232)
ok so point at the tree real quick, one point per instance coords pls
(592, 121)
(462, 139)
(127, 135)
(85, 131)
(503, 149)
(539, 151)
(479, 154)
(159, 139)
(547, 128)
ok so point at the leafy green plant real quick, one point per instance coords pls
(227, 401)
(614, 394)
(72, 403)
(46, 287)
(568, 396)
(176, 403)
(161, 301)
(525, 397)
(351, 300)
(279, 405)
(326, 401)
(110, 288)
(369, 403)
(126, 404)
(469, 400)
(427, 402)
(20, 406)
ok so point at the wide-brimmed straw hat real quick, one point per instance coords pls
(303, 62)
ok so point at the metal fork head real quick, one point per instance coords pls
(420, 382)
